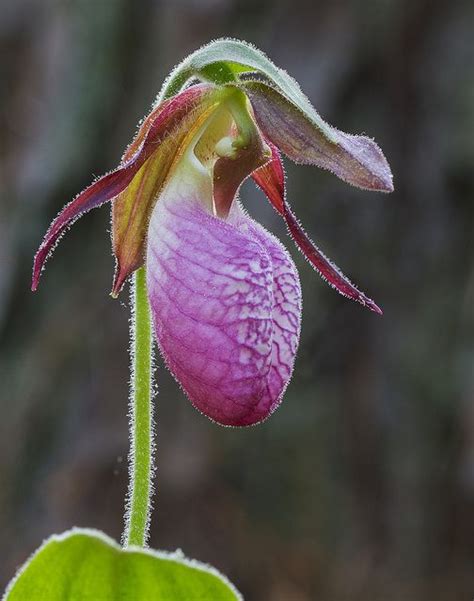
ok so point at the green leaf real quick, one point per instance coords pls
(86, 565)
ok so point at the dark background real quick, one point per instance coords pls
(361, 486)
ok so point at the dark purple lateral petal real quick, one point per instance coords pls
(107, 187)
(306, 138)
(324, 266)
(101, 191)
(271, 179)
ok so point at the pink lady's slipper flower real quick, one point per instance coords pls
(224, 293)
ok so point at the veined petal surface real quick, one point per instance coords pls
(226, 305)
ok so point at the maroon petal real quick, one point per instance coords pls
(156, 127)
(270, 178)
(306, 138)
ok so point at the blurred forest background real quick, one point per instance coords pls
(361, 486)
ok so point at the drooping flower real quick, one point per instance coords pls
(224, 293)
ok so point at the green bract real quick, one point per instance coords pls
(224, 60)
(86, 565)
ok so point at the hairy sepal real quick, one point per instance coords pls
(306, 138)
(228, 60)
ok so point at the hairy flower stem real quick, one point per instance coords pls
(140, 488)
(141, 418)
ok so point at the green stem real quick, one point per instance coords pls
(141, 418)
(140, 489)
